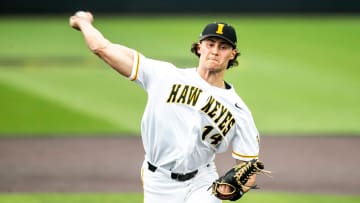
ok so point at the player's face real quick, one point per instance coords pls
(215, 54)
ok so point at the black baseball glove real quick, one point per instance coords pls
(236, 179)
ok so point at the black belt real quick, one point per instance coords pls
(176, 176)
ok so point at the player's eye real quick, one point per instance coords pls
(224, 46)
(210, 44)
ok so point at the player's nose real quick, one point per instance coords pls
(214, 50)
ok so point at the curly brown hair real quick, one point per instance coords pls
(233, 62)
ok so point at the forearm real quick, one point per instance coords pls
(117, 56)
(93, 37)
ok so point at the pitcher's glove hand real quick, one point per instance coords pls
(236, 179)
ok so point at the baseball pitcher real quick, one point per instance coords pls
(191, 115)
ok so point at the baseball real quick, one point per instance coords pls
(81, 14)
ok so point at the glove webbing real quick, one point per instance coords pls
(247, 169)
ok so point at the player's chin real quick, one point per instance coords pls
(214, 67)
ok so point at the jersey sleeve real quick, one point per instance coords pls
(135, 67)
(146, 71)
(246, 141)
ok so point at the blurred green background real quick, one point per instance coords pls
(298, 74)
(253, 197)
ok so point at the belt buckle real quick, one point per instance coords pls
(183, 177)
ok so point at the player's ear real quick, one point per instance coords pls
(195, 48)
(198, 48)
(233, 54)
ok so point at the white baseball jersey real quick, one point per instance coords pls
(187, 121)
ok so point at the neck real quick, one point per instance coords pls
(214, 78)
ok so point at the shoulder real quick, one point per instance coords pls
(237, 100)
(240, 109)
(151, 66)
(155, 63)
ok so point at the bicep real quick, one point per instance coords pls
(118, 57)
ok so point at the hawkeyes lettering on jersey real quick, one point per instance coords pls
(184, 94)
(219, 114)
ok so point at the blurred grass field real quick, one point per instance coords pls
(253, 197)
(299, 75)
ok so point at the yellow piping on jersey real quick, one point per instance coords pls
(244, 156)
(142, 176)
(137, 66)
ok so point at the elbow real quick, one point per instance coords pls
(98, 47)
